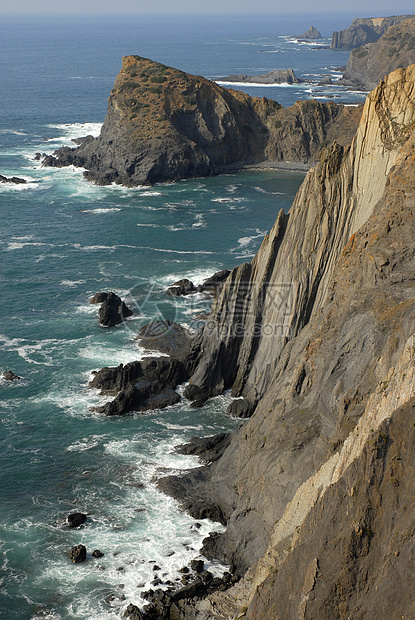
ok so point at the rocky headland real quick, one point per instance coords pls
(163, 124)
(364, 30)
(370, 62)
(317, 487)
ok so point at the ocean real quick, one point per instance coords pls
(62, 240)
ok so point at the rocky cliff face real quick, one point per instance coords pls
(371, 62)
(364, 30)
(163, 124)
(313, 487)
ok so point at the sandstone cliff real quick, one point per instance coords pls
(163, 124)
(313, 488)
(371, 62)
(364, 30)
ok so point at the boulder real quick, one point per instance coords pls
(97, 553)
(181, 287)
(113, 311)
(133, 613)
(8, 375)
(76, 519)
(211, 284)
(15, 180)
(77, 554)
(141, 385)
(197, 566)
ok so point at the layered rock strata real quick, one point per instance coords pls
(276, 76)
(371, 62)
(163, 124)
(312, 487)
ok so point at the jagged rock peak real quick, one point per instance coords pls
(312, 33)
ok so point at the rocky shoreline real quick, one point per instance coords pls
(331, 392)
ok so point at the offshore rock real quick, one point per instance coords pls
(371, 62)
(8, 375)
(276, 76)
(163, 124)
(76, 519)
(312, 33)
(77, 554)
(333, 426)
(113, 310)
(365, 30)
(15, 180)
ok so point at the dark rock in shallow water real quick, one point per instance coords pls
(76, 519)
(113, 311)
(196, 394)
(77, 554)
(197, 565)
(97, 553)
(211, 284)
(15, 180)
(276, 76)
(165, 336)
(181, 287)
(241, 408)
(140, 385)
(8, 375)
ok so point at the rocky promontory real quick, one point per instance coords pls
(163, 124)
(371, 62)
(316, 488)
(365, 30)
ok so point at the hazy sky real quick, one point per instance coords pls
(359, 7)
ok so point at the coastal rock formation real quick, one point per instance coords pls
(113, 310)
(313, 487)
(140, 385)
(312, 33)
(276, 76)
(365, 30)
(9, 375)
(163, 125)
(371, 62)
(15, 180)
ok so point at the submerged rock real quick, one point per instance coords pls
(8, 375)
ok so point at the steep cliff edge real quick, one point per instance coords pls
(334, 385)
(163, 124)
(371, 62)
(364, 30)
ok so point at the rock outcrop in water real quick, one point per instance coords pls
(163, 124)
(317, 488)
(371, 62)
(276, 76)
(312, 33)
(365, 30)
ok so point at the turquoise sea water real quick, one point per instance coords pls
(61, 241)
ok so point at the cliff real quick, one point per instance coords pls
(317, 332)
(364, 30)
(163, 124)
(371, 62)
